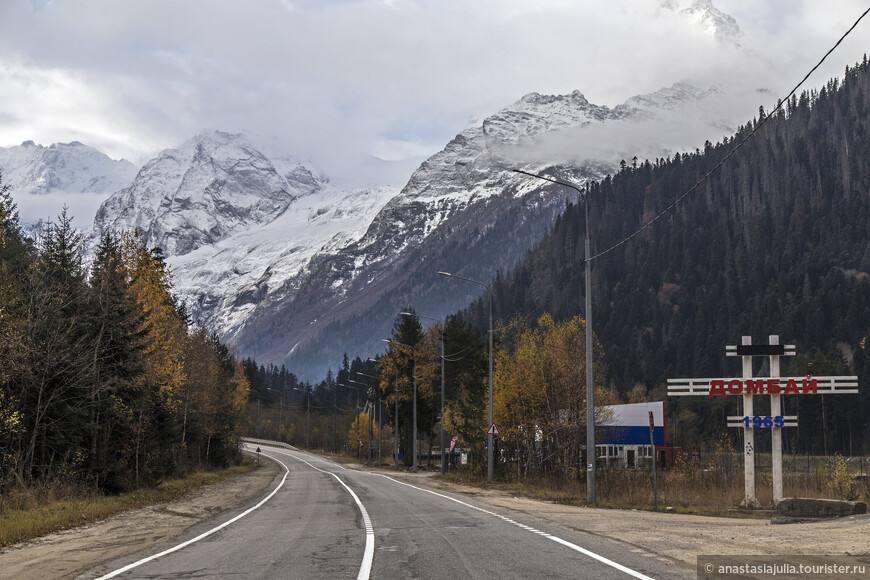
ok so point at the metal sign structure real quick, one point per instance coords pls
(747, 386)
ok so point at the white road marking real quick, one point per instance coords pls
(556, 539)
(203, 535)
(365, 568)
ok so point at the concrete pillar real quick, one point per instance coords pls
(776, 432)
(749, 499)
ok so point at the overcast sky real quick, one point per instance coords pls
(333, 82)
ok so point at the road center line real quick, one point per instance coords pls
(204, 534)
(506, 519)
(365, 568)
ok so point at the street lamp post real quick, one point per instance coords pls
(590, 407)
(346, 386)
(443, 391)
(257, 429)
(369, 458)
(380, 411)
(414, 403)
(334, 411)
(489, 436)
(307, 415)
(396, 413)
(280, 414)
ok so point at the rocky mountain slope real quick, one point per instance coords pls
(235, 224)
(293, 270)
(462, 211)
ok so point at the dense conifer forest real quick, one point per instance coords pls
(775, 241)
(103, 380)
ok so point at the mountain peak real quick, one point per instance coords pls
(62, 167)
(213, 185)
(721, 26)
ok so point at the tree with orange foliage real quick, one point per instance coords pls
(540, 396)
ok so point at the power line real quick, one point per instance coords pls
(755, 130)
(541, 309)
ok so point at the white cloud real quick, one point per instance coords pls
(81, 207)
(337, 82)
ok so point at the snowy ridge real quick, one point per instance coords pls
(62, 167)
(720, 25)
(455, 199)
(214, 185)
(223, 283)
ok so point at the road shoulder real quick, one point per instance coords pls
(70, 552)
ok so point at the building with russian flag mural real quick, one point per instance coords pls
(622, 439)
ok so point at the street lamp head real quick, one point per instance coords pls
(394, 343)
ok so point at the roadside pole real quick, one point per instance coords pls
(652, 445)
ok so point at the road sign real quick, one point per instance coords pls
(493, 430)
(774, 385)
(452, 444)
(762, 421)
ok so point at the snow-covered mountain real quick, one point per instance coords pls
(235, 224)
(462, 211)
(721, 26)
(294, 270)
(214, 185)
(62, 167)
(223, 283)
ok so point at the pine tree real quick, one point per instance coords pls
(117, 364)
(53, 383)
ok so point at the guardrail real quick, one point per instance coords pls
(269, 442)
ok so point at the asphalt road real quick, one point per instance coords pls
(321, 520)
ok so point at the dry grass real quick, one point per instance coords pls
(716, 489)
(32, 512)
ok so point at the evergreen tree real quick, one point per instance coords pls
(117, 362)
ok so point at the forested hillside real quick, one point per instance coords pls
(776, 241)
(102, 381)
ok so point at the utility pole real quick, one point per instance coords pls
(396, 415)
(443, 391)
(257, 428)
(414, 404)
(334, 413)
(280, 414)
(590, 391)
(307, 415)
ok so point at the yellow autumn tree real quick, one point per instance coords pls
(164, 330)
(540, 395)
(239, 389)
(358, 435)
